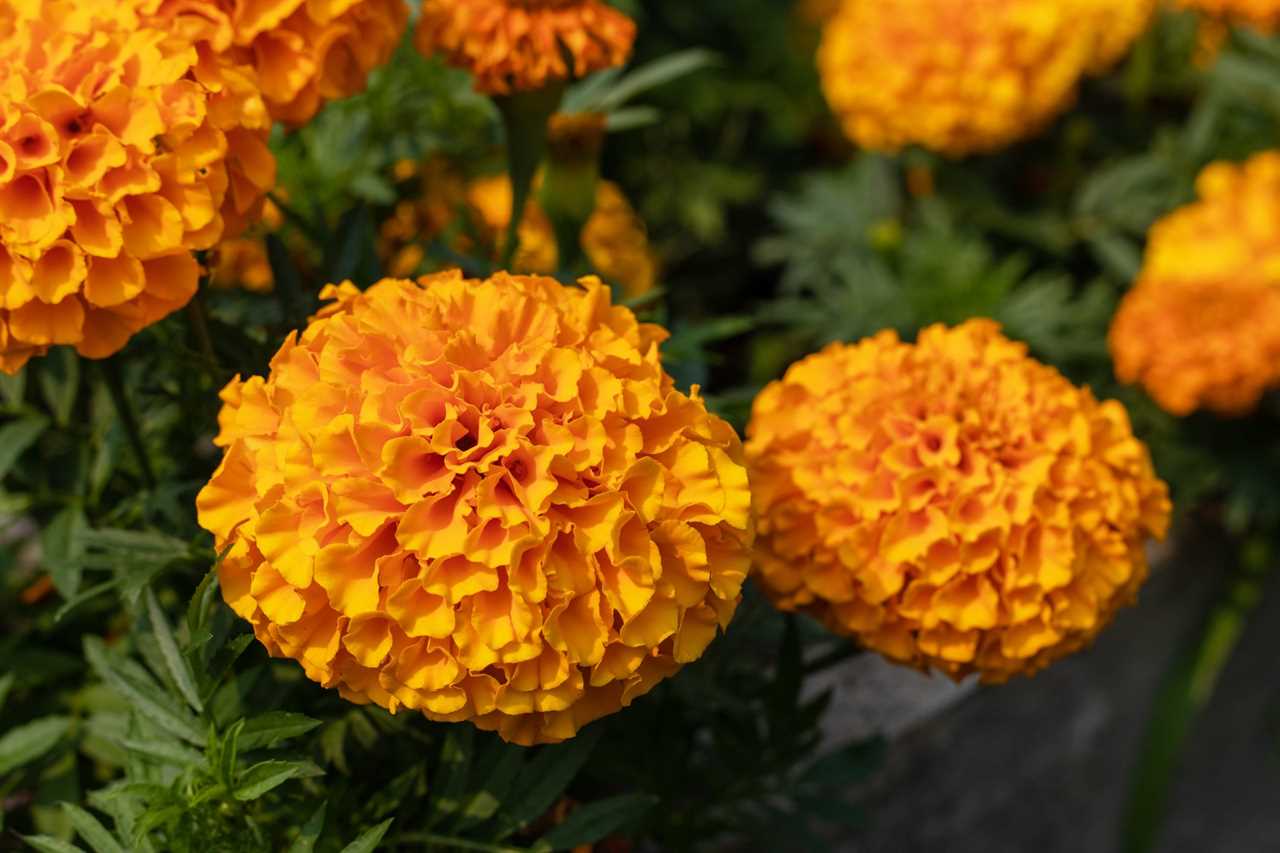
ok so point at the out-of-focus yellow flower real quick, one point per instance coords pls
(518, 45)
(964, 76)
(122, 149)
(1262, 14)
(951, 503)
(484, 500)
(305, 52)
(614, 239)
(243, 261)
(1120, 23)
(1201, 326)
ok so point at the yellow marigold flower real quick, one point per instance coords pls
(1201, 326)
(305, 52)
(517, 45)
(950, 503)
(955, 76)
(483, 500)
(614, 239)
(1262, 14)
(122, 150)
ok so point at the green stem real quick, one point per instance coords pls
(124, 410)
(524, 117)
(198, 318)
(1187, 689)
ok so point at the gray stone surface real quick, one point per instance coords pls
(1044, 764)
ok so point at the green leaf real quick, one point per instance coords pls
(13, 389)
(26, 743)
(174, 662)
(99, 839)
(202, 601)
(268, 775)
(60, 382)
(166, 752)
(589, 823)
(230, 753)
(369, 839)
(455, 766)
(63, 544)
(49, 844)
(141, 691)
(269, 729)
(545, 778)
(310, 833)
(16, 437)
(6, 684)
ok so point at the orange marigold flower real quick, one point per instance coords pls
(1262, 14)
(613, 239)
(483, 500)
(950, 503)
(517, 45)
(957, 76)
(1201, 326)
(305, 52)
(122, 150)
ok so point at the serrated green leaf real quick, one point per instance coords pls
(141, 691)
(369, 839)
(49, 844)
(171, 753)
(62, 544)
(589, 823)
(269, 729)
(229, 754)
(24, 744)
(16, 437)
(310, 832)
(266, 776)
(174, 661)
(91, 830)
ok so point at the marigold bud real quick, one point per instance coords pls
(1201, 326)
(951, 503)
(484, 500)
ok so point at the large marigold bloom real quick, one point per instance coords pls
(955, 76)
(950, 503)
(1201, 326)
(1262, 14)
(123, 148)
(518, 45)
(305, 52)
(484, 500)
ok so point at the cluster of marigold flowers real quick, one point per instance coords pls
(485, 499)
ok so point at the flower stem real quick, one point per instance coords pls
(124, 410)
(524, 117)
(198, 318)
(1188, 687)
